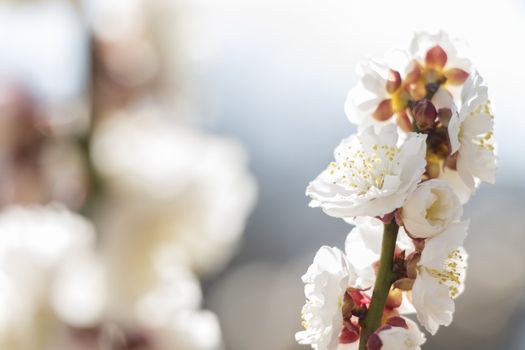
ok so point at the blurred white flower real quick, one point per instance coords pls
(34, 243)
(187, 192)
(471, 135)
(430, 209)
(79, 292)
(159, 306)
(371, 175)
(326, 282)
(192, 330)
(440, 277)
(403, 334)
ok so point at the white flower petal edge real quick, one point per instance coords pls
(430, 209)
(363, 100)
(400, 338)
(371, 175)
(441, 277)
(326, 282)
(471, 135)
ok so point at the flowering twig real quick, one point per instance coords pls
(417, 156)
(385, 278)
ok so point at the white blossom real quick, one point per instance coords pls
(440, 277)
(471, 135)
(372, 175)
(326, 282)
(34, 243)
(363, 100)
(401, 338)
(430, 209)
(175, 185)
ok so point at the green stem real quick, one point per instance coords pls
(384, 280)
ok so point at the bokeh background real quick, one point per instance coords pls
(272, 75)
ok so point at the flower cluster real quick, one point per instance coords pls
(424, 143)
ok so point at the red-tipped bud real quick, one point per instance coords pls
(436, 57)
(425, 115)
(394, 81)
(384, 111)
(456, 76)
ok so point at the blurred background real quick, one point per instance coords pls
(176, 138)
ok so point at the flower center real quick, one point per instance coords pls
(484, 140)
(451, 274)
(361, 171)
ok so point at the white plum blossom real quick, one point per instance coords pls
(471, 135)
(35, 242)
(403, 187)
(430, 209)
(440, 279)
(176, 185)
(405, 336)
(326, 282)
(372, 175)
(363, 100)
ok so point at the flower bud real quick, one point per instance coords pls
(430, 209)
(436, 57)
(425, 114)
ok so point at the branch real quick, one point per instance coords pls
(384, 280)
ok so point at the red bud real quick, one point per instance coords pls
(436, 57)
(425, 114)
